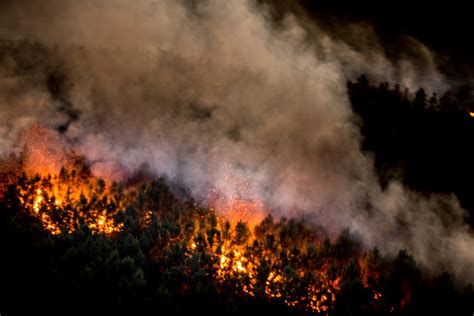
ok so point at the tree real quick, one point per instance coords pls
(242, 233)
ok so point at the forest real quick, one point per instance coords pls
(424, 140)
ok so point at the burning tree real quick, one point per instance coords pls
(143, 245)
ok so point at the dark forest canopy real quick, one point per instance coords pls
(425, 140)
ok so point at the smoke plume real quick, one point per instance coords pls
(215, 96)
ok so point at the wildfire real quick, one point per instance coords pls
(63, 202)
(38, 200)
(237, 202)
(237, 209)
(241, 264)
(254, 260)
(242, 210)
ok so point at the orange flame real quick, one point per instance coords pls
(65, 195)
(238, 264)
(237, 209)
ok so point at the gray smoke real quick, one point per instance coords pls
(209, 94)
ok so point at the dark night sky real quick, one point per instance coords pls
(446, 26)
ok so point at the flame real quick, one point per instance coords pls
(234, 199)
(38, 200)
(377, 296)
(471, 114)
(237, 263)
(237, 209)
(58, 203)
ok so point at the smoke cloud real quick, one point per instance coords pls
(214, 96)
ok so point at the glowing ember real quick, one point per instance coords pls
(44, 150)
(237, 209)
(235, 200)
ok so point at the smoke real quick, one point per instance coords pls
(213, 95)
